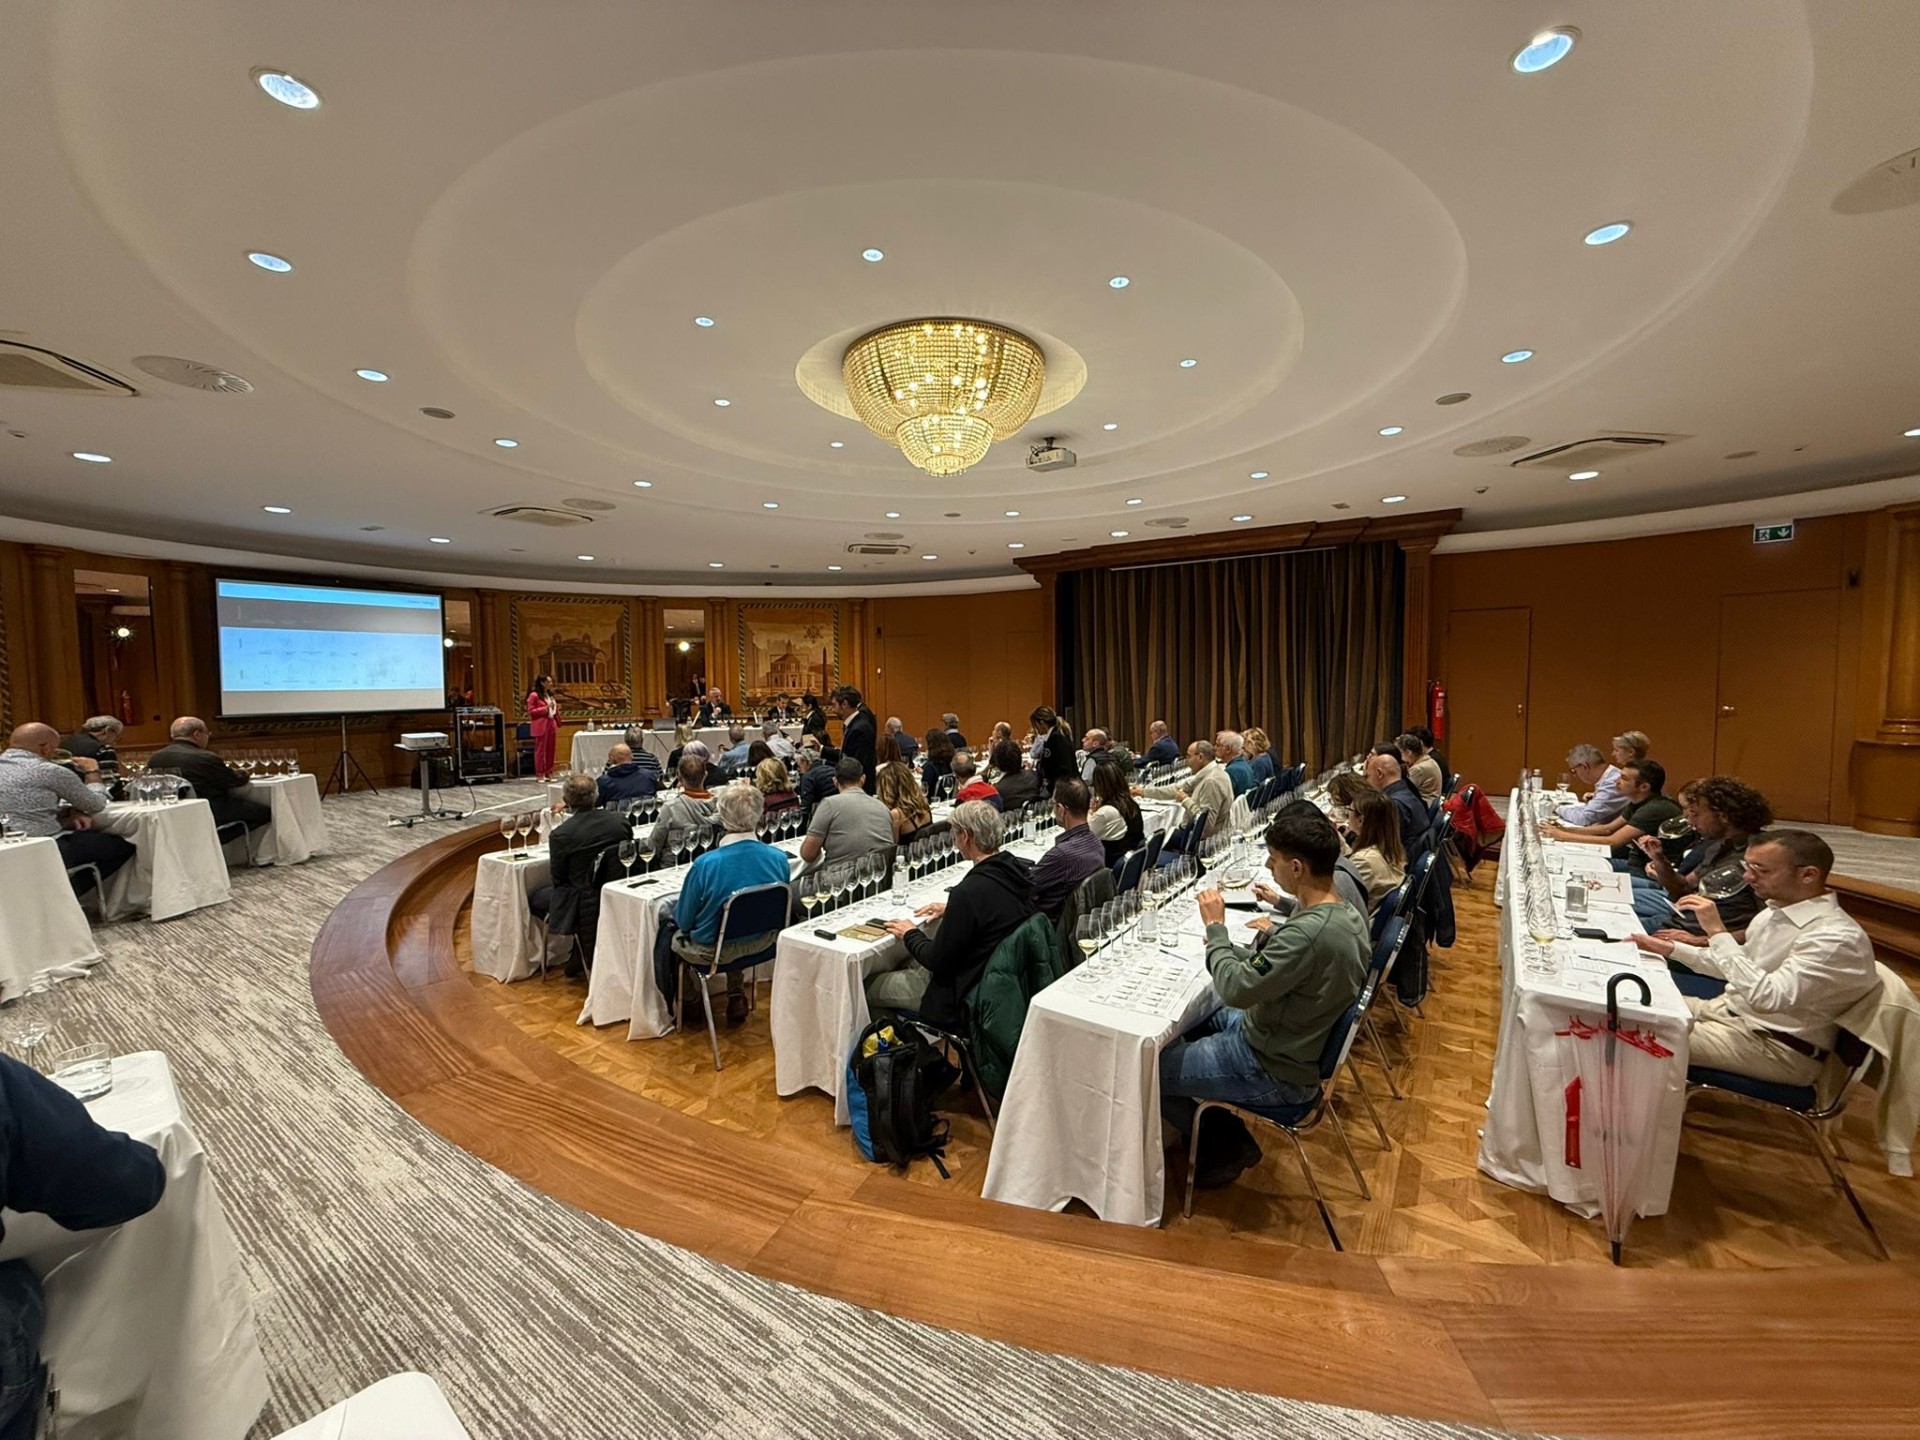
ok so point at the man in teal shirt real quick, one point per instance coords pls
(739, 862)
(1231, 748)
(1281, 998)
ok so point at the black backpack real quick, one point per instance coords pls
(898, 1070)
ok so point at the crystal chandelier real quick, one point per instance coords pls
(944, 390)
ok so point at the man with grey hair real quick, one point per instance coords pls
(739, 862)
(991, 901)
(1231, 748)
(95, 740)
(570, 904)
(1600, 782)
(909, 747)
(735, 755)
(636, 738)
(952, 724)
(777, 741)
(1207, 788)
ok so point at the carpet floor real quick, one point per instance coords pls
(373, 1245)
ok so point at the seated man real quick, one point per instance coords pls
(952, 722)
(1423, 772)
(1599, 782)
(1647, 810)
(1075, 854)
(739, 862)
(626, 778)
(967, 784)
(1387, 774)
(1349, 882)
(95, 740)
(709, 767)
(1804, 963)
(735, 755)
(1724, 814)
(849, 823)
(213, 780)
(57, 1161)
(1162, 748)
(1096, 748)
(713, 709)
(1207, 788)
(684, 817)
(991, 901)
(1263, 1049)
(777, 741)
(1231, 748)
(815, 782)
(31, 790)
(570, 904)
(643, 757)
(909, 747)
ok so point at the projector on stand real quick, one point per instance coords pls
(1048, 456)
(425, 744)
(425, 740)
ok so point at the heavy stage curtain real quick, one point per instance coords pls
(1304, 644)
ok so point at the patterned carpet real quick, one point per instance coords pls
(375, 1246)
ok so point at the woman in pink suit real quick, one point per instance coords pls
(544, 725)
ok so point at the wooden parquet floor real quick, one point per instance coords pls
(1748, 1194)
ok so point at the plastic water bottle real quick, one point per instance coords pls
(1576, 898)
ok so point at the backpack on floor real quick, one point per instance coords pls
(896, 1072)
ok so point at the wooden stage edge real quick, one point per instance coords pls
(1575, 1349)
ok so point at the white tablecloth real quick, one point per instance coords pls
(400, 1407)
(590, 749)
(177, 864)
(42, 927)
(1524, 1142)
(1081, 1116)
(149, 1325)
(506, 942)
(298, 830)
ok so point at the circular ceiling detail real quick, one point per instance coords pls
(1494, 445)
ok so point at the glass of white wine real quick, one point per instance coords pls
(1086, 935)
(509, 827)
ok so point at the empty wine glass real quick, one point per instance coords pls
(526, 823)
(644, 847)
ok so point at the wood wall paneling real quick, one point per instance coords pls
(984, 657)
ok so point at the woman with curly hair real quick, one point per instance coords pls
(895, 787)
(1259, 753)
(771, 779)
(1724, 813)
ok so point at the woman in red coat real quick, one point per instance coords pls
(543, 724)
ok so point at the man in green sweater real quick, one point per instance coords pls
(1281, 998)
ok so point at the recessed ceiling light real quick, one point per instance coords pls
(1256, 474)
(643, 484)
(836, 444)
(833, 567)
(1391, 429)
(929, 557)
(1011, 514)
(1515, 357)
(1016, 545)
(705, 322)
(1607, 234)
(271, 262)
(1913, 434)
(1119, 534)
(1391, 499)
(873, 257)
(92, 458)
(438, 540)
(1110, 425)
(1136, 500)
(1545, 50)
(893, 514)
(289, 91)
(378, 377)
(716, 564)
(1241, 519)
(1188, 364)
(1119, 282)
(277, 509)
(583, 557)
(1584, 475)
(722, 401)
(506, 442)
(769, 504)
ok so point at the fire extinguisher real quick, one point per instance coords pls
(1437, 709)
(126, 707)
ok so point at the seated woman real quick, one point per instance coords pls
(1017, 785)
(770, 778)
(1377, 852)
(1116, 817)
(895, 788)
(1259, 754)
(758, 753)
(937, 763)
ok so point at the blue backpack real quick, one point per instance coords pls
(895, 1072)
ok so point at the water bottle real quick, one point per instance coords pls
(1576, 898)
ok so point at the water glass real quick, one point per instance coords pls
(84, 1071)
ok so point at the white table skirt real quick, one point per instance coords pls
(149, 1325)
(1524, 1142)
(409, 1406)
(177, 864)
(43, 930)
(1081, 1116)
(506, 942)
(298, 830)
(590, 747)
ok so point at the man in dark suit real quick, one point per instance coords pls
(952, 723)
(213, 780)
(1162, 749)
(714, 709)
(1387, 773)
(571, 903)
(858, 732)
(96, 740)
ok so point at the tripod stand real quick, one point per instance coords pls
(346, 769)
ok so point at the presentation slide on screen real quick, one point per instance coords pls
(306, 649)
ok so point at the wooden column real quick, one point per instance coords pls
(47, 632)
(1884, 773)
(187, 687)
(1416, 627)
(650, 657)
(1050, 639)
(1899, 561)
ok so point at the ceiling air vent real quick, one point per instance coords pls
(1593, 454)
(863, 547)
(1169, 522)
(193, 374)
(582, 503)
(1493, 445)
(31, 368)
(538, 515)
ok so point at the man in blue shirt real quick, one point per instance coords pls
(739, 862)
(1230, 746)
(909, 747)
(1162, 748)
(735, 755)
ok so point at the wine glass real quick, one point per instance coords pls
(842, 882)
(643, 846)
(810, 890)
(526, 823)
(626, 853)
(866, 873)
(509, 827)
(1086, 934)
(1724, 881)
(5, 820)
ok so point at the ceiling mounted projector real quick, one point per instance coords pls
(1049, 456)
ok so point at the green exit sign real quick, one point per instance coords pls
(1772, 534)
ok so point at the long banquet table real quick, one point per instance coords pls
(1534, 1106)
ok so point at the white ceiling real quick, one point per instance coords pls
(1341, 211)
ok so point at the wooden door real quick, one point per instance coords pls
(1774, 723)
(1488, 657)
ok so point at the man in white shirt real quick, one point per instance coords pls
(1208, 788)
(1804, 963)
(777, 741)
(1605, 799)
